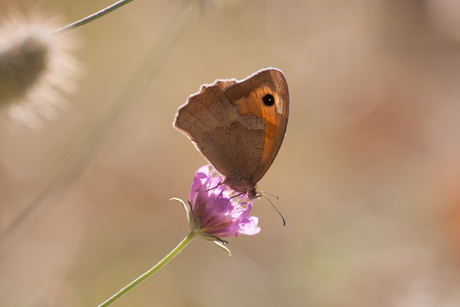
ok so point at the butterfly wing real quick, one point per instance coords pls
(249, 95)
(228, 140)
(233, 127)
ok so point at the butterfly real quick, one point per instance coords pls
(238, 126)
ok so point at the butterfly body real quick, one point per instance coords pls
(238, 125)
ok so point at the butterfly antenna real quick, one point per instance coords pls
(284, 221)
(277, 197)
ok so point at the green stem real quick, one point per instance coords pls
(152, 271)
(93, 17)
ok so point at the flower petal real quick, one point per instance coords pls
(217, 210)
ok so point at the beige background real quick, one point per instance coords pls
(368, 174)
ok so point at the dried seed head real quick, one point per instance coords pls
(36, 68)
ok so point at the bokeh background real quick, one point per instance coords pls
(368, 174)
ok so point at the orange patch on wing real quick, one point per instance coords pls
(254, 104)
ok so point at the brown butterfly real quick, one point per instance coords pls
(238, 126)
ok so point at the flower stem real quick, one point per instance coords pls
(152, 271)
(93, 17)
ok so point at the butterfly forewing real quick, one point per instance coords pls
(249, 95)
(238, 126)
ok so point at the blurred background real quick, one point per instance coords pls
(368, 174)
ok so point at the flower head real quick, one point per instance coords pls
(215, 211)
(36, 67)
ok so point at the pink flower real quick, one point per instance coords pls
(216, 211)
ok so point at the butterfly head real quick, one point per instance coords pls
(243, 186)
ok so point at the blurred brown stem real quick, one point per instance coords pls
(93, 17)
(89, 144)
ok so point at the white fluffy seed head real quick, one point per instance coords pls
(37, 68)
